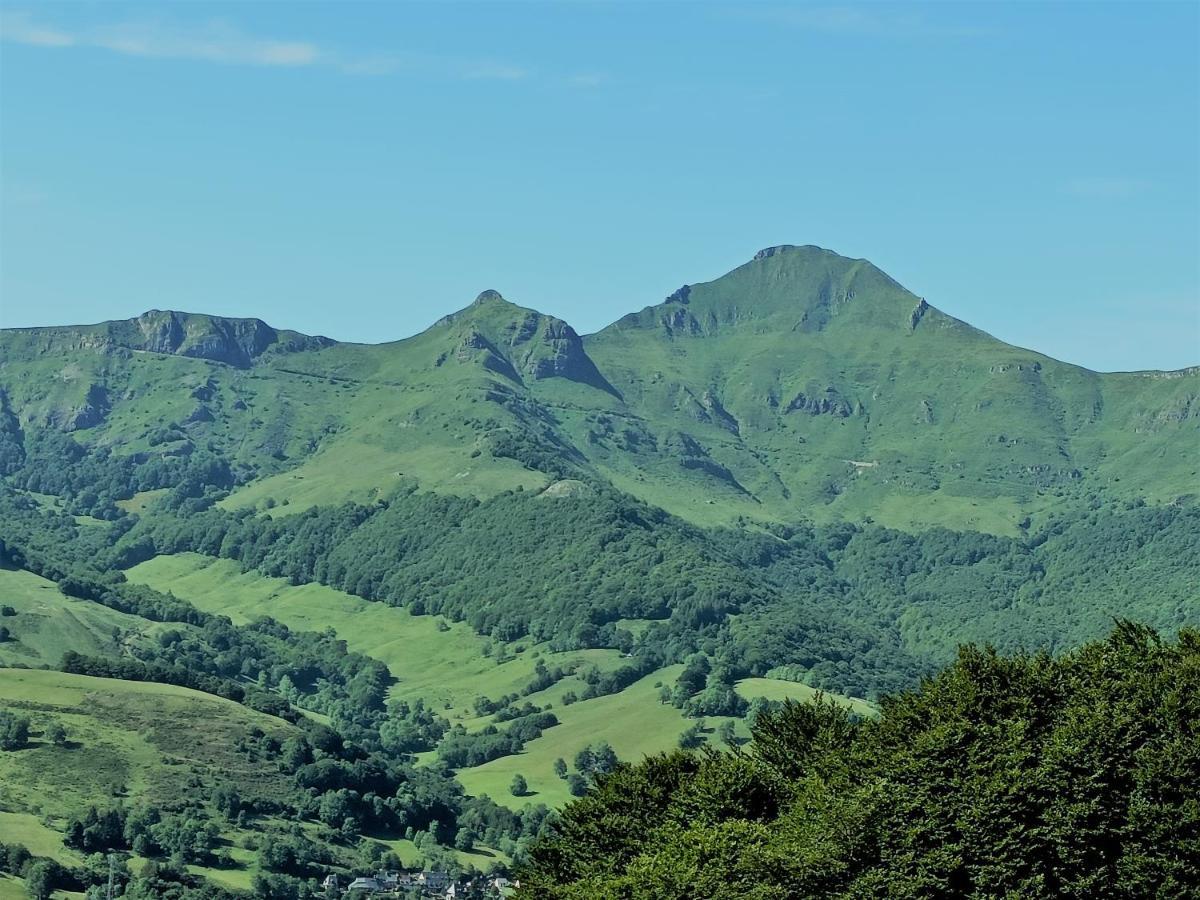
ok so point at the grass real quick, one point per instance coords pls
(48, 623)
(482, 858)
(444, 664)
(141, 501)
(447, 668)
(633, 721)
(127, 741)
(776, 689)
(951, 427)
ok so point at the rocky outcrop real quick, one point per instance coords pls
(918, 313)
(200, 414)
(718, 413)
(91, 412)
(680, 321)
(545, 347)
(474, 346)
(827, 402)
(521, 343)
(565, 488)
(768, 252)
(681, 296)
(234, 342)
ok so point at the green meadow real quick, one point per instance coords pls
(48, 623)
(126, 742)
(444, 664)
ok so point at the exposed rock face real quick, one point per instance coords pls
(918, 313)
(521, 343)
(768, 252)
(718, 413)
(235, 342)
(567, 487)
(546, 347)
(681, 321)
(200, 414)
(560, 352)
(95, 407)
(830, 402)
(682, 295)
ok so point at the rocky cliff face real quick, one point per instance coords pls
(235, 342)
(532, 345)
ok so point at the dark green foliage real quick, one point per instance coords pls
(692, 737)
(462, 749)
(855, 609)
(91, 479)
(14, 731)
(1002, 776)
(12, 447)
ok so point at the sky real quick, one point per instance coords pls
(360, 169)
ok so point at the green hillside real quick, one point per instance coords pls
(447, 670)
(343, 595)
(129, 743)
(45, 623)
(800, 384)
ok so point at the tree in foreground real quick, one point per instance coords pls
(1002, 776)
(519, 786)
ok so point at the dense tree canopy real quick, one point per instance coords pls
(1001, 776)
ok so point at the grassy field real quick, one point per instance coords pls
(47, 623)
(447, 668)
(633, 721)
(140, 501)
(776, 689)
(127, 741)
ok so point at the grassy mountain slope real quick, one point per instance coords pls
(128, 742)
(817, 385)
(448, 669)
(47, 623)
(802, 384)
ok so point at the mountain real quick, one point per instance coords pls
(800, 385)
(443, 572)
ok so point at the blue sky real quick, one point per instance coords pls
(358, 170)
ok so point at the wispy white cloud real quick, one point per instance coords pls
(1105, 187)
(216, 42)
(873, 19)
(223, 43)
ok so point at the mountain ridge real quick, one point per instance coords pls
(680, 296)
(800, 384)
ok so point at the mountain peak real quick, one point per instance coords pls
(768, 252)
(799, 288)
(489, 296)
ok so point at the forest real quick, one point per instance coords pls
(1002, 775)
